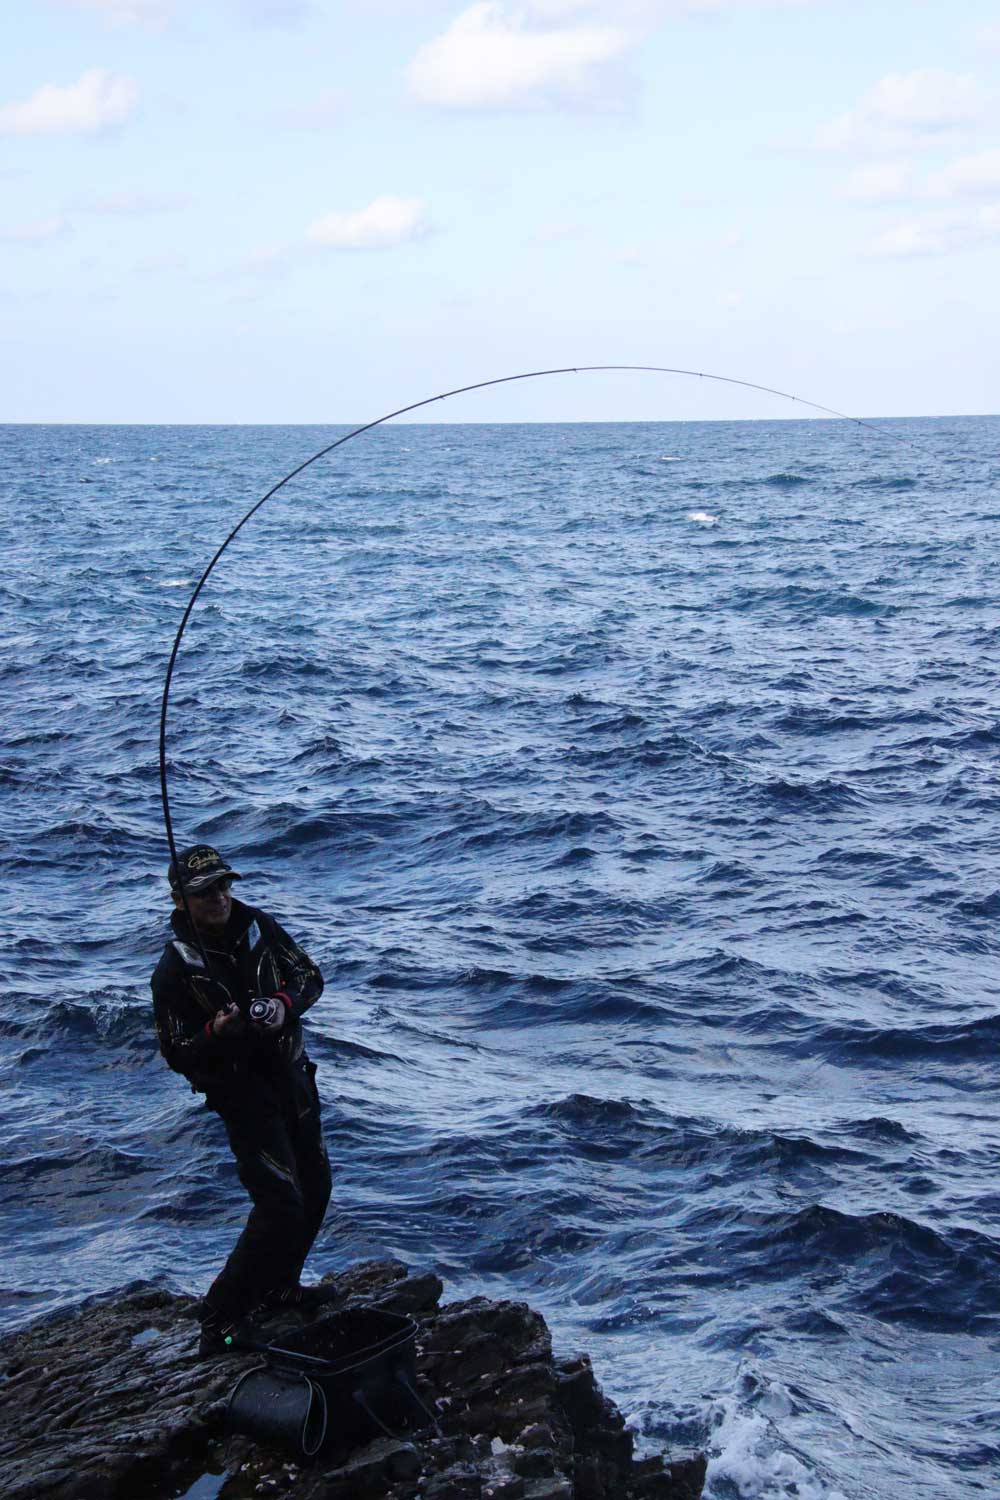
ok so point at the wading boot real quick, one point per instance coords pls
(304, 1299)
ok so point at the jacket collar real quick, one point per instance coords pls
(241, 919)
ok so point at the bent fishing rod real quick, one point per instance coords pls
(479, 385)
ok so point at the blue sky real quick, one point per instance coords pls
(310, 211)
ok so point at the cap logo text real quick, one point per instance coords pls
(203, 861)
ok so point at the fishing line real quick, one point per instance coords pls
(479, 385)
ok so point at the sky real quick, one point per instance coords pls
(320, 210)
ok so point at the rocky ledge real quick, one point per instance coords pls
(109, 1401)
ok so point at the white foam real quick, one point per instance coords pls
(747, 1458)
(702, 517)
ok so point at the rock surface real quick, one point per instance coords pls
(110, 1402)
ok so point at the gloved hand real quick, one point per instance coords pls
(228, 1022)
(268, 1014)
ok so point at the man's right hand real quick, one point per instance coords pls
(228, 1021)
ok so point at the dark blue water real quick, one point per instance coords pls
(636, 788)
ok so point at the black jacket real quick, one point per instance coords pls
(254, 956)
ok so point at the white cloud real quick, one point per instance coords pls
(713, 7)
(134, 203)
(385, 222)
(273, 12)
(651, 12)
(893, 181)
(490, 58)
(126, 12)
(883, 182)
(97, 102)
(912, 237)
(988, 36)
(938, 233)
(35, 233)
(159, 12)
(970, 174)
(904, 107)
(564, 54)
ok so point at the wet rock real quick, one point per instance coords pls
(533, 1463)
(538, 1435)
(686, 1472)
(111, 1402)
(373, 1470)
(503, 1485)
(415, 1295)
(556, 1488)
(461, 1482)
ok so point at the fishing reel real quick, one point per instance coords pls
(267, 1013)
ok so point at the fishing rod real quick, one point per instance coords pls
(400, 411)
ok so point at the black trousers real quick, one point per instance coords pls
(277, 1139)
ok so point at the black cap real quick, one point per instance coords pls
(199, 867)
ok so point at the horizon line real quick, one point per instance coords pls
(527, 422)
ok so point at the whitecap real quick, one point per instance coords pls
(748, 1458)
(702, 517)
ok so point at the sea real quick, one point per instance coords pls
(636, 788)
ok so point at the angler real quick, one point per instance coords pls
(228, 995)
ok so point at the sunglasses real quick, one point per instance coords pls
(222, 886)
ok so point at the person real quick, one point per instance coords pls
(255, 1074)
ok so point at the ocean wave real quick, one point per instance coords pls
(877, 1128)
(987, 906)
(875, 867)
(277, 834)
(748, 1456)
(107, 1019)
(89, 1172)
(579, 855)
(805, 601)
(287, 667)
(822, 796)
(885, 482)
(900, 1269)
(575, 1109)
(514, 828)
(523, 999)
(984, 737)
(967, 1042)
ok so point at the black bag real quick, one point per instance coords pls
(338, 1382)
